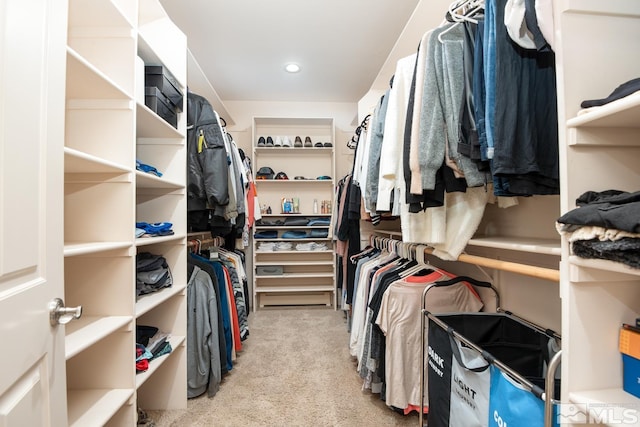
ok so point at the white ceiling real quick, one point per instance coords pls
(243, 45)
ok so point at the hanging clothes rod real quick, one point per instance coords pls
(512, 267)
(204, 240)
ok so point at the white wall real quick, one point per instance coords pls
(427, 15)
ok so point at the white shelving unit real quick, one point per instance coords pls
(106, 130)
(308, 276)
(600, 150)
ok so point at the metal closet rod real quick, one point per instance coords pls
(513, 267)
(204, 243)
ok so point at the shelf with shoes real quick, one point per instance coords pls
(293, 255)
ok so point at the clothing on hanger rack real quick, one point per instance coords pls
(218, 308)
(387, 290)
(439, 172)
(514, 267)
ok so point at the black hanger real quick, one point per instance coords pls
(459, 279)
(353, 142)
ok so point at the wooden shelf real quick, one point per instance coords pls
(145, 241)
(147, 180)
(284, 288)
(293, 150)
(151, 125)
(87, 248)
(622, 113)
(583, 269)
(310, 215)
(296, 285)
(98, 13)
(390, 233)
(155, 364)
(87, 82)
(533, 245)
(148, 302)
(107, 128)
(95, 407)
(76, 161)
(295, 275)
(291, 180)
(306, 239)
(265, 263)
(599, 150)
(82, 333)
(328, 251)
(290, 227)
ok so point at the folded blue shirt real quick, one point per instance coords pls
(319, 221)
(268, 234)
(294, 234)
(155, 228)
(147, 168)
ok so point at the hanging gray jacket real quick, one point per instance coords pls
(207, 163)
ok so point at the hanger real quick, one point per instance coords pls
(420, 255)
(412, 251)
(411, 271)
(353, 142)
(459, 279)
(466, 15)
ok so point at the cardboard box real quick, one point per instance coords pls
(629, 342)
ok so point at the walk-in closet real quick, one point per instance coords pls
(336, 213)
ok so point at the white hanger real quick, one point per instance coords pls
(473, 7)
(420, 254)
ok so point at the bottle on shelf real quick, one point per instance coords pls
(315, 206)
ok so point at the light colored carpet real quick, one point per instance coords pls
(294, 370)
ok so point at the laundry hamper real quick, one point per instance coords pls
(488, 369)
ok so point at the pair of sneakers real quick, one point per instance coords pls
(298, 142)
(280, 141)
(308, 143)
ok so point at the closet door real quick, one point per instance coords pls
(32, 378)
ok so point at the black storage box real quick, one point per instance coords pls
(159, 103)
(159, 76)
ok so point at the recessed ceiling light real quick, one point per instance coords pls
(292, 68)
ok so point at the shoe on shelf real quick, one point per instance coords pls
(269, 141)
(278, 142)
(261, 142)
(307, 142)
(286, 142)
(298, 142)
(328, 144)
(319, 145)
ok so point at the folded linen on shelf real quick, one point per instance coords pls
(311, 246)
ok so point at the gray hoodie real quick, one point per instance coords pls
(203, 351)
